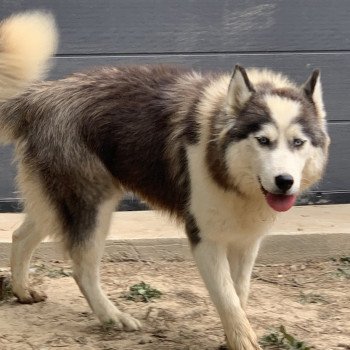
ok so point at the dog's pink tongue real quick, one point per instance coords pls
(280, 202)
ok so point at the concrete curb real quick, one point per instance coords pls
(312, 232)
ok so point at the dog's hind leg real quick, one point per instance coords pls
(40, 221)
(86, 265)
(24, 240)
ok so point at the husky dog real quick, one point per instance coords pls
(223, 154)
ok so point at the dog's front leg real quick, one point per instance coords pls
(211, 259)
(241, 257)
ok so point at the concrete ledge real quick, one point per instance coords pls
(303, 233)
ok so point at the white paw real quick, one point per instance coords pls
(122, 321)
(243, 342)
(29, 296)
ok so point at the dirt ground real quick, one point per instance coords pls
(312, 300)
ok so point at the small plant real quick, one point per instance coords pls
(272, 339)
(51, 271)
(312, 298)
(57, 273)
(108, 325)
(5, 288)
(343, 270)
(345, 260)
(142, 292)
(280, 339)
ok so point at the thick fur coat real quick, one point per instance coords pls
(223, 154)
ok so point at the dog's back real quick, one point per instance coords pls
(121, 127)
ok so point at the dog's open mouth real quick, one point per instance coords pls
(279, 202)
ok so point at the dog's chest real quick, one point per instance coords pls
(227, 218)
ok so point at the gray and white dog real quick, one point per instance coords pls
(223, 154)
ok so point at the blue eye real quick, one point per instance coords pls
(264, 141)
(298, 143)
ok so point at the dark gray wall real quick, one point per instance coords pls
(290, 36)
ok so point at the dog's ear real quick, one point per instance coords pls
(312, 89)
(312, 84)
(240, 89)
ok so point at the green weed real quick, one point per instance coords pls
(280, 339)
(5, 289)
(52, 271)
(142, 292)
(108, 325)
(343, 272)
(345, 260)
(344, 269)
(312, 298)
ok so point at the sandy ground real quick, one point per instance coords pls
(312, 300)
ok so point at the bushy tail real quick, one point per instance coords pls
(27, 41)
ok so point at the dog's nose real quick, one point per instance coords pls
(284, 182)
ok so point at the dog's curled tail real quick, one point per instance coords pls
(27, 41)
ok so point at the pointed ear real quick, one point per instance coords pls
(311, 84)
(240, 88)
(313, 90)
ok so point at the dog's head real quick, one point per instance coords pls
(278, 137)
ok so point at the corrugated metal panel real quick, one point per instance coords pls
(291, 36)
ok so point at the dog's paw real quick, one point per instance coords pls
(30, 296)
(122, 321)
(243, 342)
(242, 345)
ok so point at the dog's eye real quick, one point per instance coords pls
(264, 141)
(298, 143)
